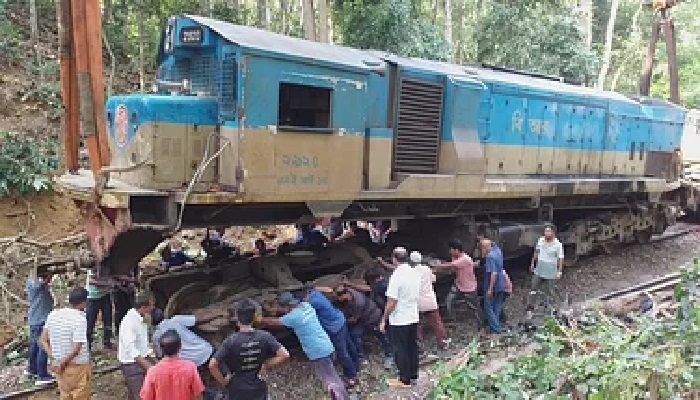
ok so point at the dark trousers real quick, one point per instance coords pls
(493, 307)
(345, 351)
(123, 301)
(357, 331)
(134, 376)
(405, 341)
(102, 305)
(38, 359)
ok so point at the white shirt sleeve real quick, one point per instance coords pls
(392, 289)
(560, 250)
(80, 332)
(185, 320)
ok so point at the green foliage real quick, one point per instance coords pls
(9, 37)
(542, 38)
(389, 25)
(606, 360)
(26, 164)
(45, 88)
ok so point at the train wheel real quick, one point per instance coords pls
(570, 256)
(187, 298)
(643, 237)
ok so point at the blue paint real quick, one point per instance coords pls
(142, 109)
(479, 105)
(262, 83)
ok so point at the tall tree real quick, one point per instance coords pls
(609, 33)
(33, 22)
(263, 14)
(323, 17)
(308, 20)
(448, 24)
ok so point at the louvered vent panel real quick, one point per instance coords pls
(418, 127)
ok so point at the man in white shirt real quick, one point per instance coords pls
(133, 345)
(64, 338)
(546, 265)
(401, 311)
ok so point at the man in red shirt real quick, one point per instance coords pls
(172, 378)
(465, 280)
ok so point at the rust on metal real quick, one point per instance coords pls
(93, 26)
(70, 128)
(670, 36)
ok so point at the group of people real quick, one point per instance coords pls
(391, 307)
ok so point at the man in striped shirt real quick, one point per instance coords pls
(64, 339)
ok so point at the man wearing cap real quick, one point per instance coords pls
(363, 315)
(401, 311)
(64, 339)
(301, 317)
(333, 322)
(427, 302)
(193, 348)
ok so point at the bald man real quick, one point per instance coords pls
(494, 284)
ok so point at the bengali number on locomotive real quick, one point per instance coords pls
(302, 180)
(299, 161)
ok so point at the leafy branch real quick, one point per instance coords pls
(657, 358)
(26, 164)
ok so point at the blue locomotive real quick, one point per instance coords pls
(251, 127)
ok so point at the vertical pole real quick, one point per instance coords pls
(93, 24)
(71, 136)
(670, 36)
(645, 80)
(87, 118)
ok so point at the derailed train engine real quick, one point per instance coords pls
(250, 127)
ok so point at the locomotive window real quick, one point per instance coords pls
(302, 106)
(641, 151)
(632, 151)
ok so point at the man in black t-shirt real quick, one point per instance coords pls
(247, 354)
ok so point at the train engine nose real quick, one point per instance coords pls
(158, 141)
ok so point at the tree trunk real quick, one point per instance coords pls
(308, 20)
(323, 29)
(263, 14)
(284, 17)
(448, 27)
(609, 32)
(142, 54)
(33, 22)
(458, 45)
(586, 26)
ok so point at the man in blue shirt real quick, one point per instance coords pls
(40, 305)
(333, 322)
(494, 294)
(302, 319)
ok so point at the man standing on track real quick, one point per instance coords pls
(99, 302)
(248, 354)
(173, 378)
(427, 302)
(133, 345)
(40, 305)
(65, 340)
(494, 284)
(401, 311)
(546, 265)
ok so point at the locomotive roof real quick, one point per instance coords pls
(250, 37)
(367, 60)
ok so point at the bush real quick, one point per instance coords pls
(26, 164)
(604, 360)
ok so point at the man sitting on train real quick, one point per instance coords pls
(173, 255)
